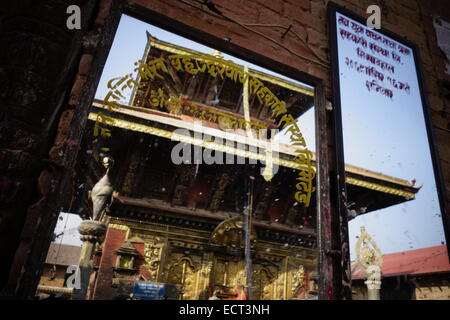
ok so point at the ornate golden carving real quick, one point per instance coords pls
(118, 227)
(185, 174)
(366, 255)
(266, 77)
(223, 182)
(138, 127)
(177, 198)
(132, 173)
(228, 272)
(371, 260)
(230, 233)
(378, 187)
(298, 278)
(152, 254)
(264, 282)
(183, 271)
(174, 105)
(204, 275)
(173, 259)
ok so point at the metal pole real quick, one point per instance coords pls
(248, 227)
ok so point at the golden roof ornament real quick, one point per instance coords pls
(217, 54)
(230, 233)
(369, 256)
(367, 251)
(267, 172)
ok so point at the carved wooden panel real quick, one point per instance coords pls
(264, 284)
(222, 182)
(228, 272)
(153, 255)
(184, 270)
(180, 257)
(262, 203)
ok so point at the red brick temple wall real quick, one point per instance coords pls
(113, 240)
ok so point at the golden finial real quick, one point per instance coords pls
(367, 251)
(217, 54)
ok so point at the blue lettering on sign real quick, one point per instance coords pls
(148, 291)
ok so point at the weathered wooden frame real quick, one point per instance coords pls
(324, 134)
(334, 8)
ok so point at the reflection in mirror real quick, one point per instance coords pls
(213, 174)
(390, 179)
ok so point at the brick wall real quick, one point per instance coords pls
(113, 240)
(102, 288)
(434, 69)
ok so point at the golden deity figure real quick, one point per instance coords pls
(369, 255)
(367, 251)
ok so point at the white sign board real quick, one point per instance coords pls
(380, 65)
(384, 130)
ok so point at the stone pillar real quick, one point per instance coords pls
(371, 259)
(373, 282)
(92, 232)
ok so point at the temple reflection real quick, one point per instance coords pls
(183, 224)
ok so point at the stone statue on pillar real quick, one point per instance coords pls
(370, 258)
(102, 192)
(92, 231)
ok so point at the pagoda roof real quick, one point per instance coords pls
(162, 124)
(175, 49)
